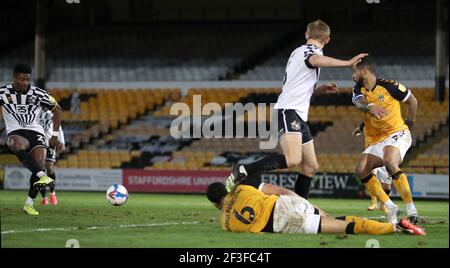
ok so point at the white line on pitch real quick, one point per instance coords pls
(95, 227)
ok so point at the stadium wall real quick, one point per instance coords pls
(346, 185)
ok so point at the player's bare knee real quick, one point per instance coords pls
(362, 171)
(293, 160)
(310, 169)
(391, 165)
(15, 145)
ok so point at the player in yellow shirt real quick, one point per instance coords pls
(387, 135)
(270, 208)
(380, 173)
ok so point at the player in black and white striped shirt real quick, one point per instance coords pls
(21, 105)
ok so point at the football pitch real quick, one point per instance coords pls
(184, 221)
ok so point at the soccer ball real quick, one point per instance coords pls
(117, 195)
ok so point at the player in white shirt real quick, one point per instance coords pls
(300, 82)
(21, 105)
(46, 120)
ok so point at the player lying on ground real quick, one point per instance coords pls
(300, 83)
(46, 121)
(387, 136)
(21, 105)
(274, 209)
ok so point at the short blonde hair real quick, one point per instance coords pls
(318, 30)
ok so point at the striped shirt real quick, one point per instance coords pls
(21, 111)
(46, 121)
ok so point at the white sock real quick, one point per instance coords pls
(389, 204)
(411, 209)
(29, 201)
(41, 174)
(53, 193)
(243, 170)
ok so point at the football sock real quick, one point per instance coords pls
(43, 191)
(22, 155)
(373, 185)
(52, 186)
(370, 227)
(269, 162)
(29, 201)
(303, 185)
(402, 186)
(32, 191)
(350, 218)
(374, 227)
(411, 209)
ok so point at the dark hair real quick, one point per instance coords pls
(216, 191)
(366, 63)
(22, 69)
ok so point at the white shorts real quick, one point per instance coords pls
(401, 140)
(294, 214)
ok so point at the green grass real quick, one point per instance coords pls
(78, 212)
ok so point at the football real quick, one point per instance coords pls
(117, 195)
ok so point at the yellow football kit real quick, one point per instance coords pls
(387, 94)
(246, 209)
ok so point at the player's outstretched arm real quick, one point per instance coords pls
(324, 61)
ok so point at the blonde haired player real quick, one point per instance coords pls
(299, 84)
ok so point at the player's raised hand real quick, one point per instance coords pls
(377, 111)
(330, 88)
(61, 147)
(357, 59)
(53, 142)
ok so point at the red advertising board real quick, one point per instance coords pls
(170, 181)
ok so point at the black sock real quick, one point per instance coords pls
(303, 185)
(32, 192)
(266, 163)
(350, 229)
(34, 166)
(22, 155)
(52, 186)
(43, 191)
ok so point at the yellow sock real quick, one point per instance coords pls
(373, 227)
(402, 186)
(354, 219)
(373, 199)
(373, 185)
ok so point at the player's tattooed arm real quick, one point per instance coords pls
(363, 105)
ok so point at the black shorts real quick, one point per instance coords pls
(51, 155)
(290, 122)
(35, 139)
